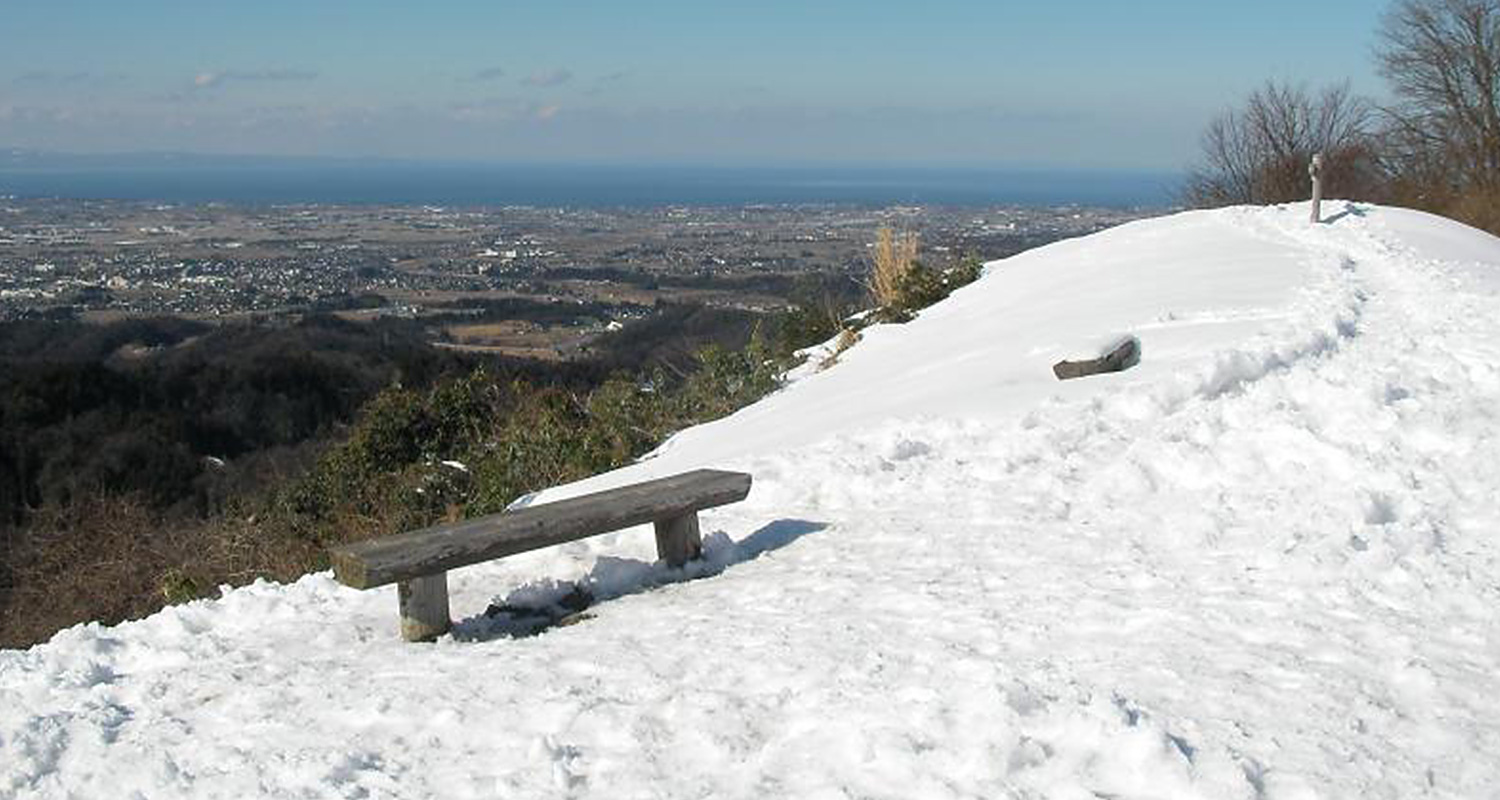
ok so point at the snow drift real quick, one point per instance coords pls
(1263, 563)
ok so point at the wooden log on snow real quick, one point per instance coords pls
(1123, 356)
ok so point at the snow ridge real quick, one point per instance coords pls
(1263, 564)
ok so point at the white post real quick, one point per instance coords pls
(1315, 169)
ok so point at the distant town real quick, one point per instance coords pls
(102, 260)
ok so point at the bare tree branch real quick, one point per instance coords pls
(1259, 153)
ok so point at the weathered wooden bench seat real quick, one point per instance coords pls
(419, 560)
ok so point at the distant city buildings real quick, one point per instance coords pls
(59, 256)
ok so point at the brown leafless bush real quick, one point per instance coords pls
(1442, 59)
(1259, 153)
(97, 558)
(111, 558)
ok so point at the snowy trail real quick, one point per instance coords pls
(1270, 568)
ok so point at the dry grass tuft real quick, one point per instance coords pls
(894, 256)
(848, 337)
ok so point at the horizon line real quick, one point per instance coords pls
(724, 164)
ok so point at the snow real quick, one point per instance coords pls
(1262, 564)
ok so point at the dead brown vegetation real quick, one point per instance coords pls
(111, 559)
(1259, 153)
(894, 256)
(1442, 59)
(1436, 148)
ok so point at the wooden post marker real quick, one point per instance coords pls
(1315, 170)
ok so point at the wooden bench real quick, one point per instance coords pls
(418, 561)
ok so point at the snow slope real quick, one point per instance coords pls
(1261, 564)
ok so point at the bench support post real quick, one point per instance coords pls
(424, 607)
(677, 539)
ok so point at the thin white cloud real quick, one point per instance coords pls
(548, 77)
(503, 110)
(604, 83)
(45, 78)
(37, 114)
(493, 109)
(488, 74)
(50, 79)
(209, 80)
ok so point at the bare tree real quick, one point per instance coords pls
(1442, 58)
(1259, 153)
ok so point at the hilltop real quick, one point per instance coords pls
(1262, 563)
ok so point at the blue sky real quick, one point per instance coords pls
(1046, 84)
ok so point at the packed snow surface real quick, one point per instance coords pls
(1261, 564)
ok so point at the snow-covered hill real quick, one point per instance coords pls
(1263, 563)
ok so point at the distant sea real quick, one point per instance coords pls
(282, 181)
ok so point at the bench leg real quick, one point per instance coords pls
(424, 607)
(677, 539)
